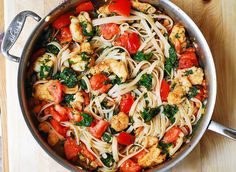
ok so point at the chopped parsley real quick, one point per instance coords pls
(140, 56)
(164, 147)
(43, 70)
(86, 121)
(84, 56)
(52, 49)
(171, 62)
(84, 29)
(177, 35)
(83, 84)
(68, 98)
(170, 111)
(193, 91)
(149, 113)
(106, 137)
(188, 72)
(146, 81)
(68, 77)
(107, 159)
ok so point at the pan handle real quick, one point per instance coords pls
(218, 128)
(13, 32)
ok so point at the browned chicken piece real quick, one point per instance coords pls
(176, 96)
(52, 138)
(149, 141)
(143, 7)
(120, 122)
(152, 158)
(41, 91)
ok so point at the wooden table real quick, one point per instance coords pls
(217, 21)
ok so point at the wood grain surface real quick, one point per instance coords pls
(215, 18)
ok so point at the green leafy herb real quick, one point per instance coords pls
(56, 76)
(164, 147)
(140, 56)
(193, 91)
(107, 159)
(113, 131)
(71, 62)
(106, 137)
(188, 72)
(83, 84)
(146, 81)
(84, 56)
(44, 70)
(117, 81)
(52, 49)
(84, 29)
(170, 111)
(149, 113)
(131, 119)
(166, 35)
(86, 121)
(94, 14)
(68, 77)
(177, 35)
(171, 62)
(68, 98)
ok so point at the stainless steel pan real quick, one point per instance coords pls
(14, 30)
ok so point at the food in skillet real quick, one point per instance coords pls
(119, 87)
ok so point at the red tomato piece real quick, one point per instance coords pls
(60, 109)
(126, 102)
(109, 30)
(71, 148)
(97, 82)
(201, 95)
(139, 155)
(57, 126)
(129, 41)
(121, 7)
(86, 152)
(125, 138)
(86, 97)
(55, 89)
(165, 89)
(86, 6)
(65, 35)
(172, 135)
(105, 88)
(98, 130)
(62, 21)
(188, 59)
(130, 166)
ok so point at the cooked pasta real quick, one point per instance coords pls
(120, 88)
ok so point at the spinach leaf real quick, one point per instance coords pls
(170, 111)
(84, 29)
(106, 137)
(52, 49)
(86, 121)
(171, 62)
(193, 91)
(68, 77)
(107, 159)
(83, 84)
(146, 81)
(188, 72)
(149, 113)
(68, 98)
(164, 147)
(43, 71)
(139, 56)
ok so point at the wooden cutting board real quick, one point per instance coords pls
(216, 19)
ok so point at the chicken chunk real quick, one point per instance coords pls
(86, 48)
(43, 65)
(184, 82)
(104, 10)
(178, 38)
(111, 65)
(41, 92)
(43, 126)
(86, 24)
(177, 95)
(77, 63)
(120, 122)
(76, 30)
(143, 7)
(152, 158)
(78, 101)
(52, 138)
(196, 77)
(149, 141)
